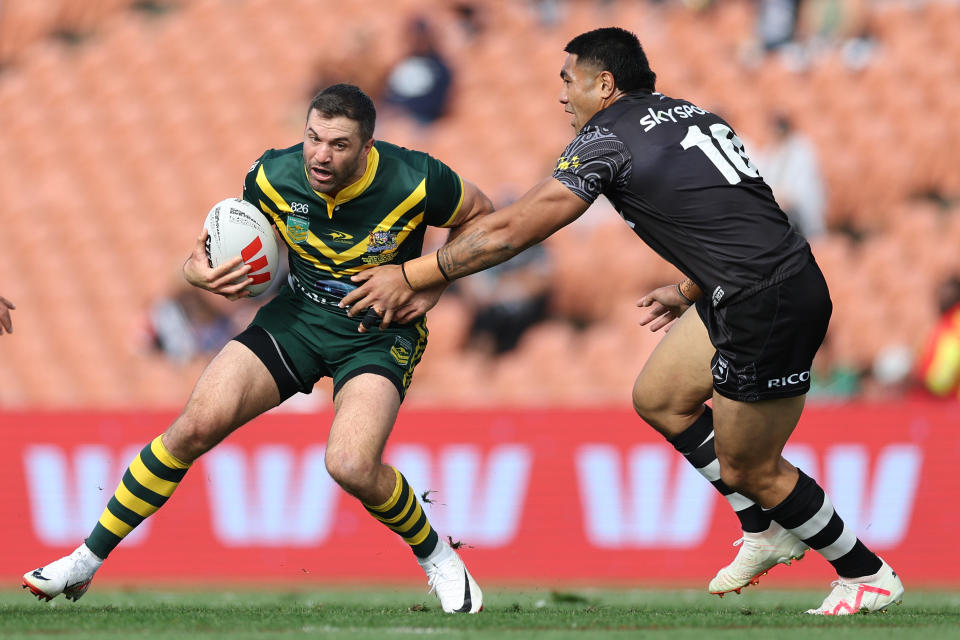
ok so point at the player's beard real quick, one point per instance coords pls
(340, 177)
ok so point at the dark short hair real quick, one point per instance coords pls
(618, 51)
(349, 101)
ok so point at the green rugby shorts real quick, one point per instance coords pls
(317, 340)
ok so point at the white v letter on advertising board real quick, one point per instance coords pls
(479, 498)
(877, 505)
(645, 506)
(69, 489)
(277, 498)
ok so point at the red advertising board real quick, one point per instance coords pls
(536, 496)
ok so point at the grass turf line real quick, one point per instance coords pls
(544, 614)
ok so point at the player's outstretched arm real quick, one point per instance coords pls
(6, 323)
(483, 242)
(227, 280)
(496, 238)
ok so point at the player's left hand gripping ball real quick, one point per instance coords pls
(237, 228)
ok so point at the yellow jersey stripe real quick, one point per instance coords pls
(142, 475)
(408, 203)
(300, 251)
(278, 220)
(270, 192)
(408, 228)
(456, 209)
(412, 200)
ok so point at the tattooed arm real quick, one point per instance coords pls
(498, 237)
(482, 243)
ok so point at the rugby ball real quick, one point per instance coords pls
(237, 228)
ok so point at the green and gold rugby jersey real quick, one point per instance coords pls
(379, 219)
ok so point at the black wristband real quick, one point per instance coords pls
(403, 270)
(440, 266)
(680, 291)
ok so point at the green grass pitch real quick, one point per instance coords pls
(508, 613)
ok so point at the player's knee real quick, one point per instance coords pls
(648, 404)
(665, 412)
(746, 478)
(737, 478)
(354, 473)
(192, 435)
(187, 445)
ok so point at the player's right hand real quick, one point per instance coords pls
(383, 288)
(665, 304)
(228, 280)
(6, 323)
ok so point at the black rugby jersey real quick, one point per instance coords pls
(678, 175)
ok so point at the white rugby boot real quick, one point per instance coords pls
(759, 552)
(70, 575)
(870, 593)
(449, 579)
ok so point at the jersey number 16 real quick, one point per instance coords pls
(732, 159)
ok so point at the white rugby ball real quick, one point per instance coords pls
(237, 228)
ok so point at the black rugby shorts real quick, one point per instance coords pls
(766, 343)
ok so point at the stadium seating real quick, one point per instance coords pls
(115, 146)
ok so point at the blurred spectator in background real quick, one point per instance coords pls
(549, 12)
(789, 165)
(419, 84)
(829, 24)
(889, 374)
(938, 368)
(696, 5)
(775, 30)
(6, 323)
(802, 30)
(507, 299)
(188, 323)
(776, 23)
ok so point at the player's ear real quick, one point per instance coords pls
(607, 84)
(367, 146)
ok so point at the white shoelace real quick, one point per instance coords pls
(840, 591)
(749, 548)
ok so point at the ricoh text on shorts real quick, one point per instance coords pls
(766, 342)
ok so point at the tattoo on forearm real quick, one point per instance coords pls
(472, 252)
